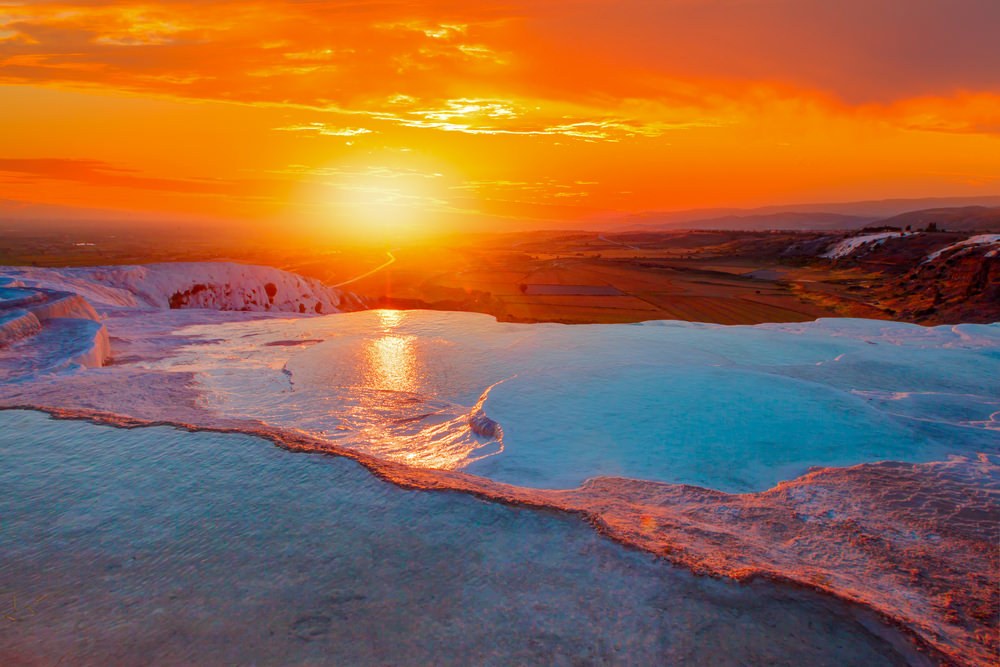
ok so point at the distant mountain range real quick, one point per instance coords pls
(956, 219)
(953, 213)
(761, 221)
(958, 214)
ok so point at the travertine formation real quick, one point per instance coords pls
(917, 542)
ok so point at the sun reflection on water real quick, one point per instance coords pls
(396, 413)
(390, 359)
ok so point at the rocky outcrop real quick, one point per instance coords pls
(43, 330)
(959, 287)
(927, 277)
(56, 307)
(16, 325)
(212, 285)
(94, 348)
(72, 306)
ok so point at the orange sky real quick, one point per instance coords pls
(397, 115)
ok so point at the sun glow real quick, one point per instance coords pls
(377, 204)
(383, 208)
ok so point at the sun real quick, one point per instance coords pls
(386, 208)
(378, 204)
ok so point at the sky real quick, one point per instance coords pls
(399, 117)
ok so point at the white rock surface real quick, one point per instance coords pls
(38, 306)
(972, 241)
(60, 344)
(61, 304)
(213, 285)
(854, 244)
(17, 324)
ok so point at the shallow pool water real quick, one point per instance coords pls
(736, 408)
(159, 546)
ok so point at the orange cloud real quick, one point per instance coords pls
(974, 113)
(93, 172)
(326, 130)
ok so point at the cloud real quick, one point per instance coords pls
(541, 118)
(440, 31)
(859, 51)
(325, 130)
(103, 174)
(962, 114)
(544, 192)
(700, 56)
(369, 172)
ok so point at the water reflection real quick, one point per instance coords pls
(390, 360)
(395, 415)
(374, 384)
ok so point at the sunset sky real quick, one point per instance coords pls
(406, 115)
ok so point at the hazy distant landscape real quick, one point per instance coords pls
(702, 274)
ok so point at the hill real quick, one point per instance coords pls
(786, 221)
(801, 217)
(956, 219)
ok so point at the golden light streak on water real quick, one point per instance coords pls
(395, 416)
(390, 360)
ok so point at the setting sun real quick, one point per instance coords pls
(380, 208)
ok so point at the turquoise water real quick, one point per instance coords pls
(159, 546)
(735, 408)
